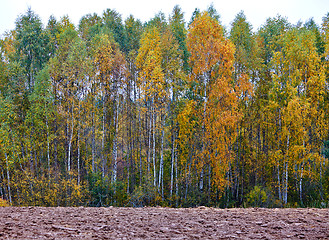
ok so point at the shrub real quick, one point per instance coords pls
(101, 191)
(3, 203)
(257, 197)
(144, 195)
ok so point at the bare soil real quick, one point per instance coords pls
(162, 223)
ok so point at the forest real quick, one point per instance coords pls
(117, 112)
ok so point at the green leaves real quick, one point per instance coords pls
(31, 45)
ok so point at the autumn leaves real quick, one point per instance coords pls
(127, 113)
(215, 99)
(209, 117)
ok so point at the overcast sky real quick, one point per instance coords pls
(257, 11)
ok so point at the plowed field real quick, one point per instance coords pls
(162, 223)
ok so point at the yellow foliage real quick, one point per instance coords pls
(211, 59)
(3, 203)
(42, 191)
(148, 60)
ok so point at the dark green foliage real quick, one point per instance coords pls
(178, 28)
(90, 25)
(31, 47)
(270, 33)
(101, 191)
(195, 14)
(112, 23)
(320, 45)
(213, 12)
(144, 195)
(133, 33)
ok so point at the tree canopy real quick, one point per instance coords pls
(119, 112)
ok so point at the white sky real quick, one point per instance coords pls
(257, 11)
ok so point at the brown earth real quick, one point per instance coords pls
(162, 223)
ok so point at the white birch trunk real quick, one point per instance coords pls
(115, 144)
(140, 150)
(78, 143)
(301, 183)
(285, 184)
(93, 141)
(48, 149)
(161, 161)
(103, 139)
(153, 136)
(149, 144)
(172, 166)
(279, 183)
(286, 175)
(70, 141)
(176, 173)
(8, 179)
(205, 79)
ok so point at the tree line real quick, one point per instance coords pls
(124, 113)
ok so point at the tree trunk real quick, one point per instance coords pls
(209, 182)
(78, 143)
(176, 173)
(153, 156)
(301, 184)
(149, 142)
(70, 141)
(285, 197)
(93, 139)
(140, 149)
(286, 174)
(115, 143)
(48, 149)
(279, 182)
(321, 180)
(172, 165)
(161, 161)
(8, 179)
(201, 179)
(205, 79)
(103, 138)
